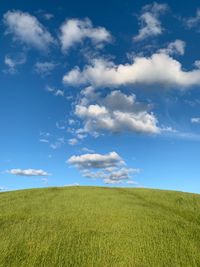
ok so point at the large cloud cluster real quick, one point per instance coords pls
(116, 113)
(160, 69)
(109, 167)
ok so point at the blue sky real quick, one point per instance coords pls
(100, 93)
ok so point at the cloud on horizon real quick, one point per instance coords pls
(109, 167)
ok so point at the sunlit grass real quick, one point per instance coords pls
(88, 226)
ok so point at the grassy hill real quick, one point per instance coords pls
(89, 226)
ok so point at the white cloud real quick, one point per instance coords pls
(87, 150)
(56, 92)
(116, 112)
(74, 31)
(195, 120)
(2, 188)
(197, 64)
(42, 140)
(71, 122)
(131, 182)
(58, 143)
(120, 174)
(12, 63)
(48, 16)
(160, 69)
(72, 141)
(80, 134)
(27, 29)
(149, 21)
(193, 21)
(109, 167)
(44, 68)
(28, 172)
(59, 93)
(50, 89)
(187, 136)
(88, 161)
(60, 125)
(74, 184)
(173, 133)
(176, 47)
(45, 134)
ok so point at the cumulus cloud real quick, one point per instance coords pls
(116, 113)
(176, 47)
(149, 21)
(122, 174)
(74, 31)
(88, 161)
(114, 176)
(27, 29)
(28, 172)
(44, 68)
(109, 167)
(160, 69)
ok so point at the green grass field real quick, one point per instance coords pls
(90, 226)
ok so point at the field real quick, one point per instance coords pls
(90, 226)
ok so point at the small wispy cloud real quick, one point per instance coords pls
(60, 125)
(55, 91)
(176, 47)
(150, 24)
(57, 143)
(2, 188)
(193, 22)
(195, 120)
(72, 141)
(45, 180)
(44, 141)
(12, 62)
(44, 68)
(74, 184)
(28, 172)
(87, 150)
